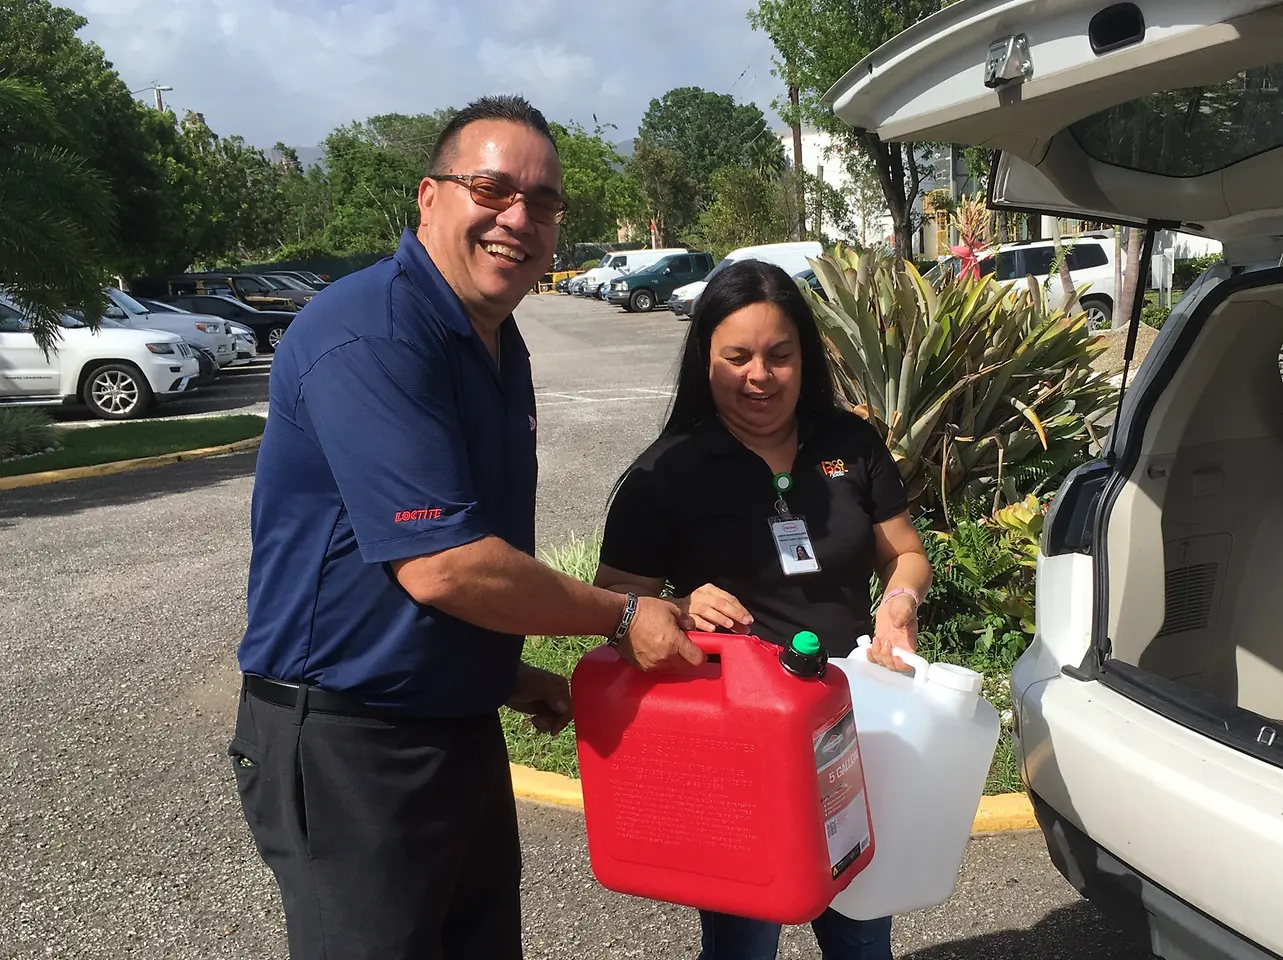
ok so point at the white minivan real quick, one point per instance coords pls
(1148, 709)
(594, 282)
(793, 258)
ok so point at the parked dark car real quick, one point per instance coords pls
(313, 280)
(640, 292)
(268, 325)
(247, 287)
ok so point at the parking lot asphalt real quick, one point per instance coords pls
(121, 604)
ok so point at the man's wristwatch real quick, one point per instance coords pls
(621, 631)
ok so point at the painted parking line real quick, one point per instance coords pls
(557, 398)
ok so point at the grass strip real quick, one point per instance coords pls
(88, 446)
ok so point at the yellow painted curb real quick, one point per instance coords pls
(540, 786)
(1003, 813)
(124, 466)
(998, 814)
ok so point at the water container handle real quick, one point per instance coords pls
(920, 664)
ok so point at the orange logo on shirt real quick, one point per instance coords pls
(406, 516)
(833, 468)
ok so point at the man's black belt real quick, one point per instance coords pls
(318, 700)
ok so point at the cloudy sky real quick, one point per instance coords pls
(292, 70)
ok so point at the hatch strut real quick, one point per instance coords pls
(1133, 326)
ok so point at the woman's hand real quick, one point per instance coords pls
(711, 607)
(896, 625)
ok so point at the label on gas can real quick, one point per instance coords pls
(846, 821)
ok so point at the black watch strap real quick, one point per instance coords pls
(621, 631)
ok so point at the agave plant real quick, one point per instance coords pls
(981, 393)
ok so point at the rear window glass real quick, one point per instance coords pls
(1084, 256)
(1190, 131)
(1021, 263)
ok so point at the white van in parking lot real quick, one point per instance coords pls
(1149, 707)
(791, 257)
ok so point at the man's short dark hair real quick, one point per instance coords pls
(512, 108)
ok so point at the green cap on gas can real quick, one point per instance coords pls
(806, 643)
(804, 656)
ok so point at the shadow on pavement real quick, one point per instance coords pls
(1080, 931)
(68, 497)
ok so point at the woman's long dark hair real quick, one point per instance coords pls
(743, 284)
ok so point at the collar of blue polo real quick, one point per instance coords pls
(414, 260)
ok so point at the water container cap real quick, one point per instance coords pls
(806, 643)
(953, 677)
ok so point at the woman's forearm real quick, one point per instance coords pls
(909, 571)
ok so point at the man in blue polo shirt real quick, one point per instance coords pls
(392, 578)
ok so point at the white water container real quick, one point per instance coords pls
(926, 742)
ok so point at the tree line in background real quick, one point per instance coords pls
(97, 184)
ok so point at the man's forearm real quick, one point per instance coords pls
(493, 585)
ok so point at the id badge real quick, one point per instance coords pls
(793, 544)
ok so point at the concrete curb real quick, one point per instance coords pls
(998, 814)
(124, 466)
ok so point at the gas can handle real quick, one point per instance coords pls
(710, 643)
(920, 664)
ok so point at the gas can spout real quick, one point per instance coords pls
(805, 656)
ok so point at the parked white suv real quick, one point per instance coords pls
(1149, 707)
(116, 372)
(1089, 256)
(212, 333)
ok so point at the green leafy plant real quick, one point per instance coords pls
(981, 393)
(25, 431)
(1154, 315)
(980, 609)
(1186, 271)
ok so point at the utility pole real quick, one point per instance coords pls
(798, 169)
(156, 89)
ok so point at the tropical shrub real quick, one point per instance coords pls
(1186, 271)
(980, 608)
(25, 431)
(981, 393)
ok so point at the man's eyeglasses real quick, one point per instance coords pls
(497, 193)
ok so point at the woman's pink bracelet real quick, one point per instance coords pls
(896, 592)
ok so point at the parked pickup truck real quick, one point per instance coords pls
(639, 292)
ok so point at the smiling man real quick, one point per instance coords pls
(392, 580)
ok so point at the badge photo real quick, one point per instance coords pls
(793, 544)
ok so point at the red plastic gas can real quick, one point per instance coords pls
(734, 786)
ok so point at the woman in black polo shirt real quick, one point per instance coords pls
(769, 507)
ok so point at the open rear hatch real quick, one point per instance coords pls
(1157, 114)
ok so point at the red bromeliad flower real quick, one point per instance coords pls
(969, 267)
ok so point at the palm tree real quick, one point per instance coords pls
(765, 156)
(53, 207)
